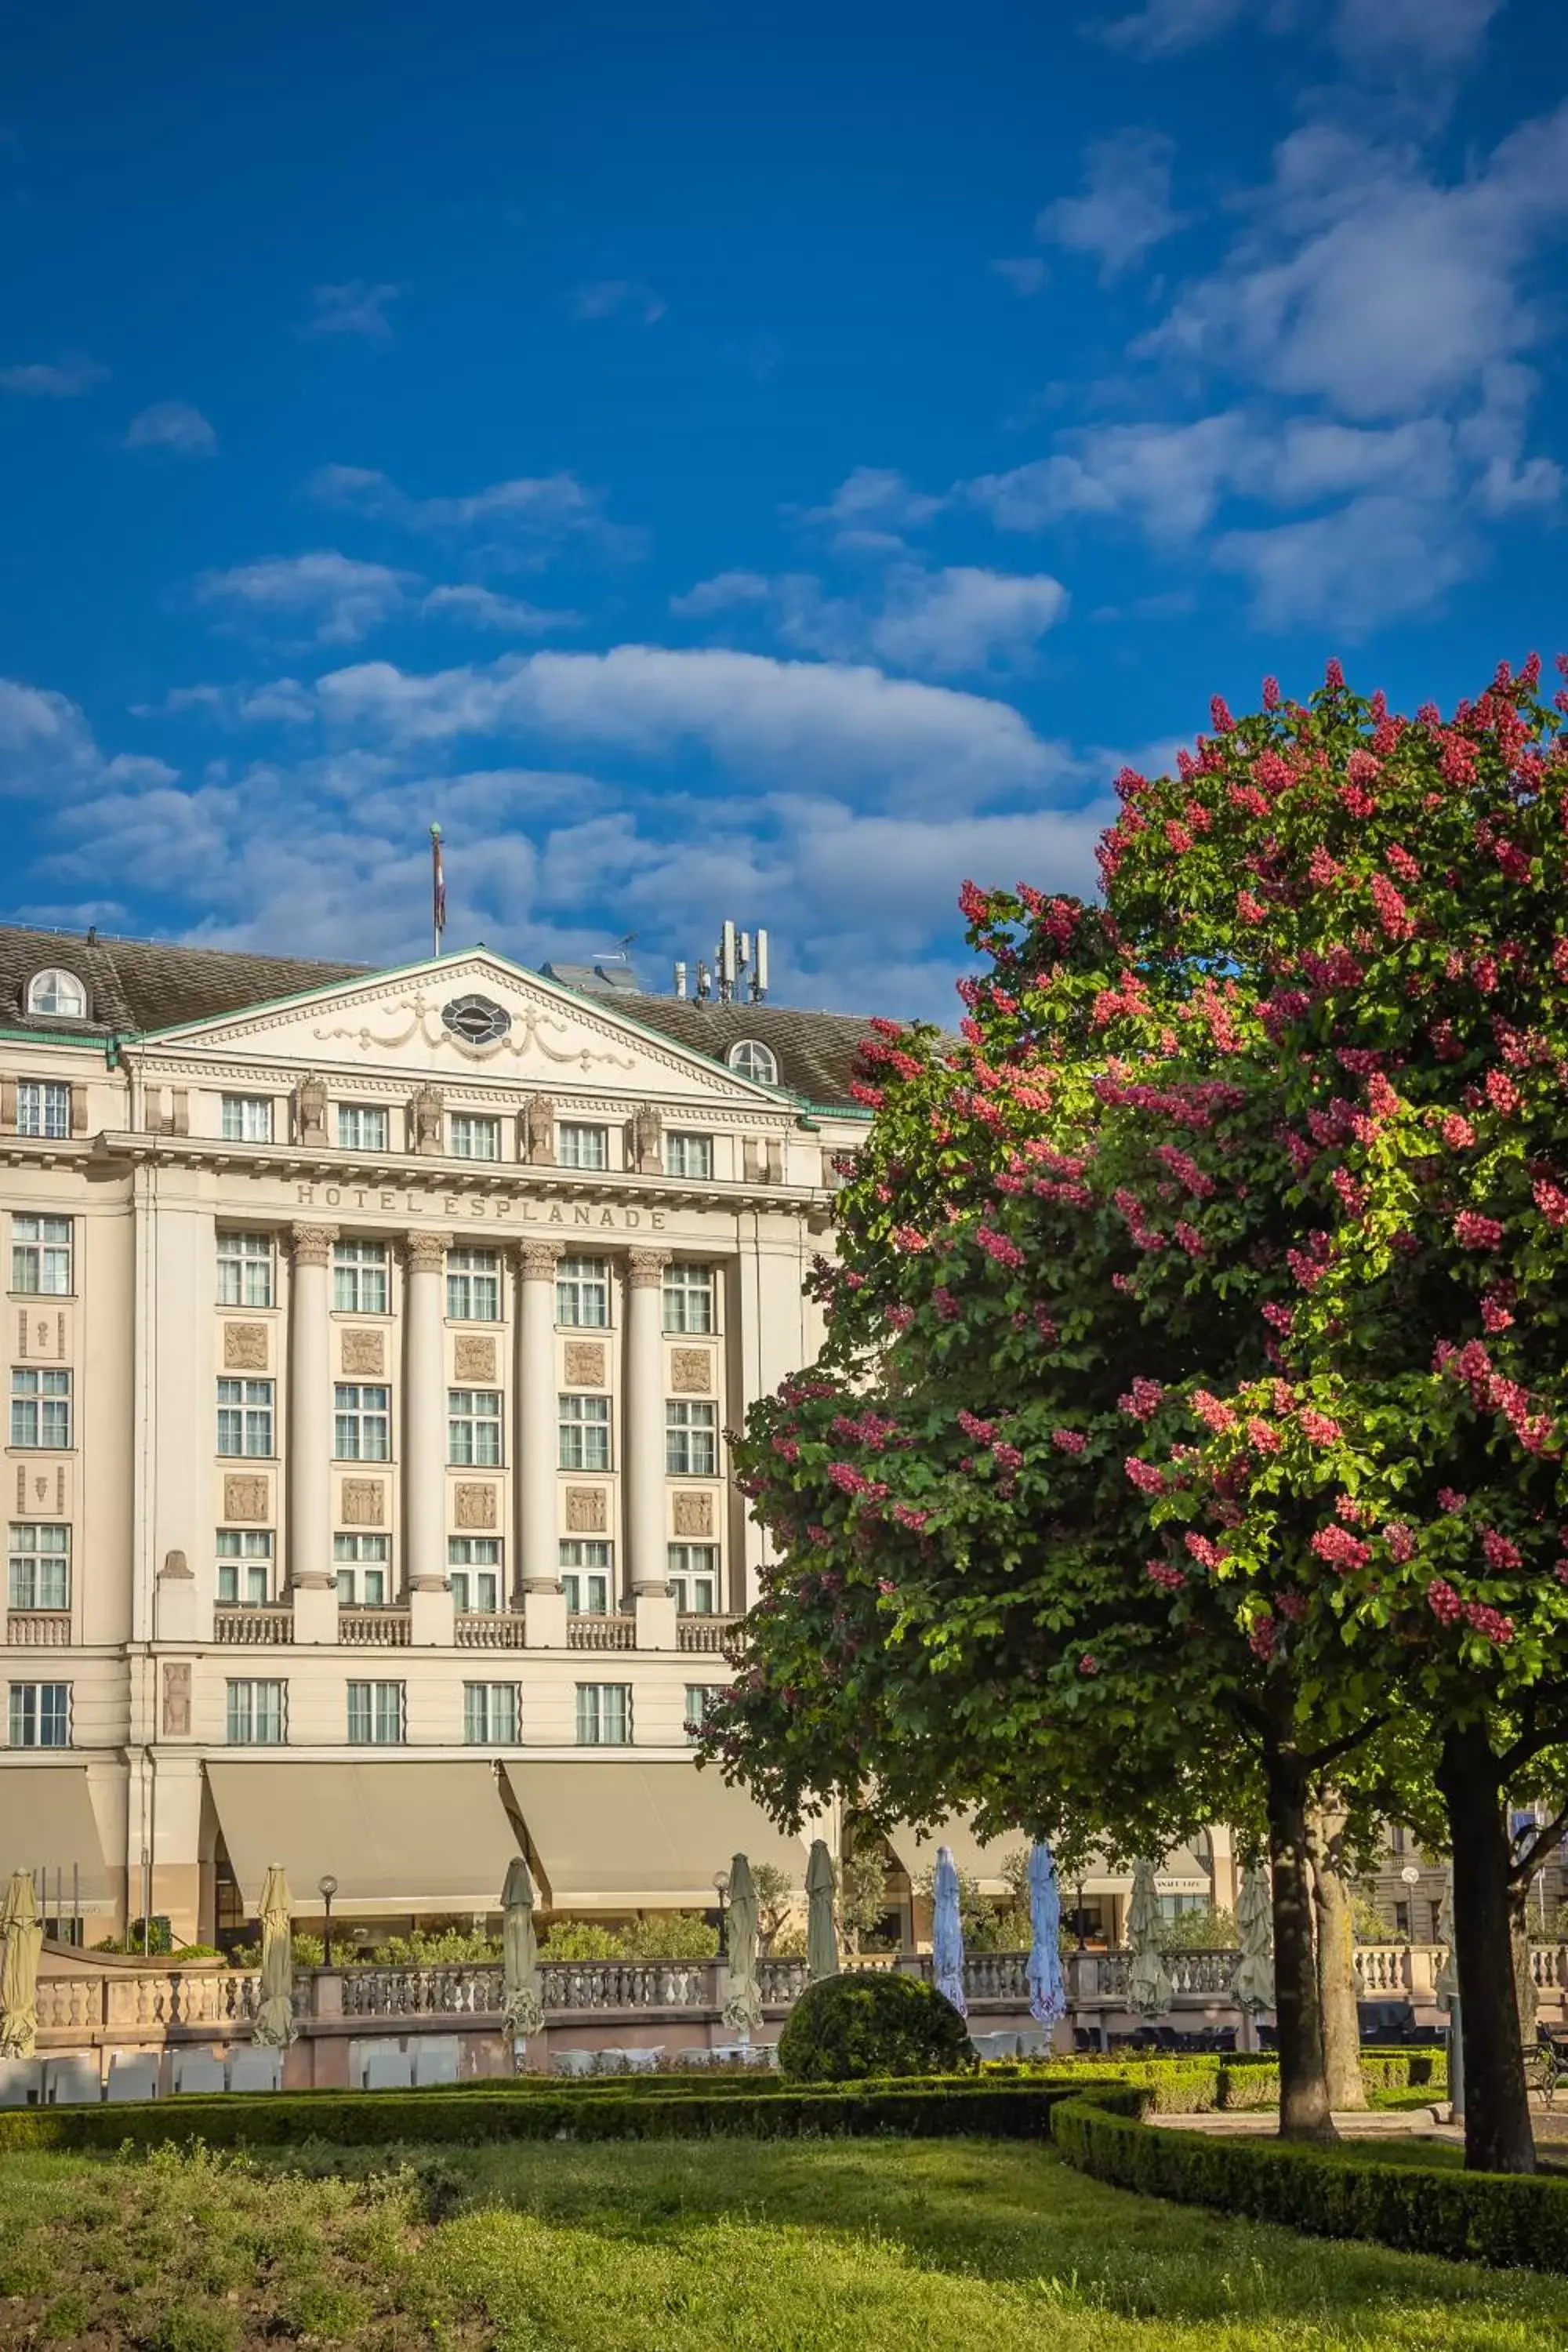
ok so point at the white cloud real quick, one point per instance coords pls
(62, 379)
(357, 308)
(483, 609)
(755, 715)
(871, 510)
(1126, 208)
(1366, 283)
(46, 745)
(1372, 560)
(1387, 40)
(173, 425)
(542, 511)
(336, 598)
(605, 298)
(1026, 275)
(961, 619)
(1164, 28)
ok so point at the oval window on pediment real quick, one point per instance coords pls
(477, 1020)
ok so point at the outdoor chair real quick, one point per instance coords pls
(995, 2045)
(644, 2061)
(256, 2070)
(435, 2057)
(132, 2076)
(1546, 2061)
(360, 2056)
(21, 2082)
(1268, 2037)
(195, 2071)
(574, 2062)
(1386, 2020)
(71, 2083)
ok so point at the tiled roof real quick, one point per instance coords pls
(142, 984)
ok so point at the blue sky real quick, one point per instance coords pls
(737, 459)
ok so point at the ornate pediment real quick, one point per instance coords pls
(465, 1017)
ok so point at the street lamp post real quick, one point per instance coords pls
(721, 1889)
(327, 1887)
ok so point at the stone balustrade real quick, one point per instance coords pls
(489, 1631)
(254, 1628)
(38, 1629)
(705, 1634)
(373, 1629)
(586, 1632)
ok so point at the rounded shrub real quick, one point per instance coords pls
(873, 2022)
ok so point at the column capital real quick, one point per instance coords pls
(425, 1253)
(645, 1268)
(313, 1244)
(538, 1260)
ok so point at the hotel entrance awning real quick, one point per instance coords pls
(396, 1837)
(639, 1837)
(46, 1822)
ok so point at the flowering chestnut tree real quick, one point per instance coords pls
(1194, 1403)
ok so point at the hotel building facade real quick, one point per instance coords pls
(374, 1336)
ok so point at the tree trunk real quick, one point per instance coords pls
(1304, 2109)
(1524, 1977)
(1497, 2136)
(1336, 1964)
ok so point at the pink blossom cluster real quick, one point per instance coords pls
(1443, 1601)
(1317, 1427)
(1147, 1477)
(1400, 1541)
(906, 1237)
(999, 1246)
(909, 1518)
(1450, 1500)
(1185, 1170)
(1142, 1399)
(1263, 1435)
(946, 1305)
(1263, 1638)
(982, 1432)
(1168, 1578)
(1204, 1548)
(1212, 1411)
(1500, 1551)
(1310, 1265)
(1483, 1619)
(1343, 1550)
(1068, 1441)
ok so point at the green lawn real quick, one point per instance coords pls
(725, 2246)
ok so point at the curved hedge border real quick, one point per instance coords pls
(372, 2118)
(1482, 2217)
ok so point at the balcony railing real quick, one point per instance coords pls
(702, 1633)
(38, 1629)
(489, 1630)
(373, 1629)
(254, 1628)
(586, 1632)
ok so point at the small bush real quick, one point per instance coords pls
(873, 2021)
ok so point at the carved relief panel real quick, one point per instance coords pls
(246, 1496)
(245, 1348)
(46, 1488)
(693, 1514)
(365, 1353)
(587, 1511)
(43, 1333)
(474, 1505)
(176, 1700)
(583, 1362)
(363, 1502)
(691, 1371)
(474, 1356)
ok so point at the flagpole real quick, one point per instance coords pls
(437, 891)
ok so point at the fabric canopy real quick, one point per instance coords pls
(46, 1822)
(1181, 1872)
(640, 1837)
(916, 1850)
(396, 1837)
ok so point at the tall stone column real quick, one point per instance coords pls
(309, 1424)
(538, 1573)
(643, 1435)
(424, 1413)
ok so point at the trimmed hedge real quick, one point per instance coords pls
(1502, 2219)
(873, 2022)
(916, 2110)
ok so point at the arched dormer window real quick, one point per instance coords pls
(751, 1059)
(58, 995)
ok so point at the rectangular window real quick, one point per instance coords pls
(244, 1566)
(688, 1155)
(691, 1439)
(245, 1416)
(700, 1697)
(475, 1574)
(247, 1119)
(41, 1256)
(362, 1127)
(583, 1147)
(490, 1715)
(604, 1715)
(255, 1715)
(40, 1566)
(362, 1422)
(360, 1278)
(585, 1570)
(40, 1714)
(475, 1136)
(42, 1108)
(585, 1422)
(694, 1578)
(583, 1294)
(41, 1409)
(473, 1428)
(244, 1269)
(361, 1565)
(688, 1297)
(375, 1715)
(473, 1286)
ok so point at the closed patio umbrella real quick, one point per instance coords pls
(274, 2018)
(821, 1940)
(520, 2003)
(1149, 1987)
(1048, 1989)
(1252, 1985)
(743, 2007)
(947, 1933)
(21, 1942)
